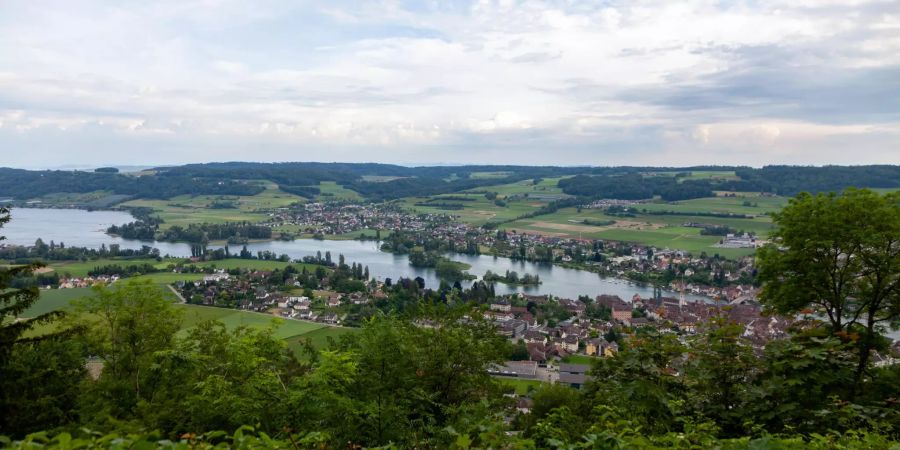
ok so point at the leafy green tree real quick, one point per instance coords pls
(127, 325)
(643, 381)
(800, 381)
(718, 373)
(216, 379)
(40, 386)
(840, 256)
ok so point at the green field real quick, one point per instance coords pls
(232, 318)
(488, 175)
(318, 337)
(711, 175)
(546, 187)
(81, 268)
(333, 191)
(580, 359)
(292, 331)
(380, 178)
(186, 209)
(476, 212)
(521, 385)
(721, 204)
(95, 199)
(661, 231)
(55, 299)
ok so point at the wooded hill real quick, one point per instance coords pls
(385, 181)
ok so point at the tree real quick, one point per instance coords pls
(719, 370)
(40, 385)
(126, 326)
(840, 256)
(15, 302)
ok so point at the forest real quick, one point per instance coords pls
(630, 183)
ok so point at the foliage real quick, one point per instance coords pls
(838, 255)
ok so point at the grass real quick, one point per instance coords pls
(547, 186)
(488, 175)
(380, 178)
(661, 231)
(333, 191)
(55, 299)
(95, 199)
(521, 385)
(318, 338)
(232, 318)
(184, 210)
(476, 212)
(292, 331)
(711, 175)
(81, 268)
(734, 205)
(580, 359)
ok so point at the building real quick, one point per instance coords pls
(575, 375)
(518, 369)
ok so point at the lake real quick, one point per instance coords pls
(87, 229)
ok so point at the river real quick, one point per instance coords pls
(87, 229)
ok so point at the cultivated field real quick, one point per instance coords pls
(292, 331)
(333, 191)
(185, 209)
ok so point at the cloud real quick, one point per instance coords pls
(424, 82)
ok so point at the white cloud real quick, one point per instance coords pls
(638, 82)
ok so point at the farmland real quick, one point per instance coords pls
(186, 209)
(81, 268)
(330, 190)
(515, 200)
(656, 230)
(476, 212)
(292, 331)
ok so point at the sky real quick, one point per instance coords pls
(92, 83)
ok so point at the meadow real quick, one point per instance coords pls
(662, 231)
(476, 212)
(329, 190)
(184, 210)
(292, 331)
(521, 385)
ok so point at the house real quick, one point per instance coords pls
(215, 277)
(575, 307)
(600, 347)
(330, 318)
(611, 349)
(575, 375)
(523, 405)
(334, 301)
(621, 311)
(518, 369)
(570, 343)
(537, 353)
(535, 337)
(501, 305)
(594, 347)
(512, 328)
